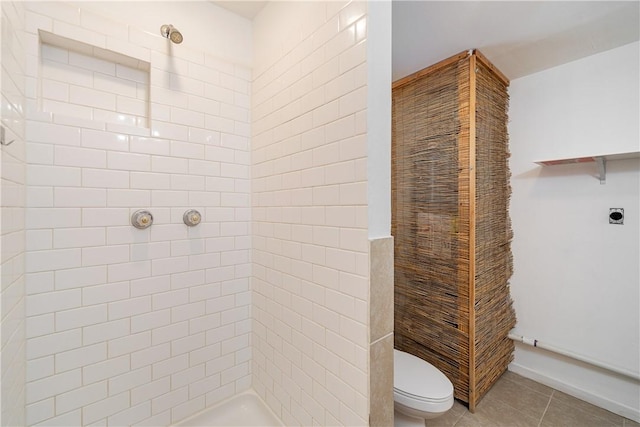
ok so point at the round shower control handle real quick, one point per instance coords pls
(192, 217)
(141, 219)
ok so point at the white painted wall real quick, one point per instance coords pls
(379, 119)
(576, 277)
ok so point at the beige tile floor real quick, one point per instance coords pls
(515, 401)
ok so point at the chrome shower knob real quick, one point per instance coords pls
(192, 217)
(141, 219)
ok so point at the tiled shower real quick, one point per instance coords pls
(112, 325)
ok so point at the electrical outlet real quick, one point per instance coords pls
(616, 216)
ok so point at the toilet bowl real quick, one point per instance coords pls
(420, 390)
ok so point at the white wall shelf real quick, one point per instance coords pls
(600, 161)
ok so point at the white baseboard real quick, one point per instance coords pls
(587, 396)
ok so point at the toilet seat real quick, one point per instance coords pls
(419, 385)
(420, 398)
(418, 407)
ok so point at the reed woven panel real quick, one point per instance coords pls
(494, 312)
(431, 224)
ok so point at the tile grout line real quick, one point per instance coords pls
(459, 419)
(546, 408)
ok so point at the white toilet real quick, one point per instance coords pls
(420, 390)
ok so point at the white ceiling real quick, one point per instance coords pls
(247, 9)
(518, 37)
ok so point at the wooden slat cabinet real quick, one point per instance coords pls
(450, 221)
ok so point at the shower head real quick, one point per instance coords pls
(172, 33)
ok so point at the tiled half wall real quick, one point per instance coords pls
(381, 332)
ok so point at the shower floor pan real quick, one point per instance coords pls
(245, 409)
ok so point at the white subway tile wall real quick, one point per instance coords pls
(310, 245)
(13, 197)
(128, 326)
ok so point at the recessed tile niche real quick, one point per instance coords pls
(90, 83)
